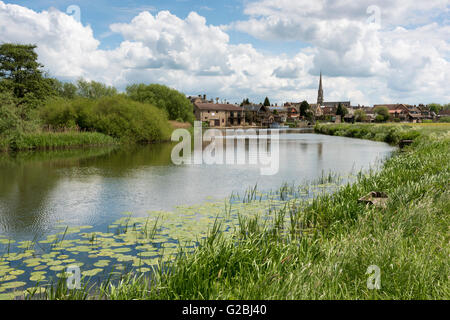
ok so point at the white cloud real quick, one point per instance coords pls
(361, 62)
(405, 48)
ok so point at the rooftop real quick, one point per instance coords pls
(218, 107)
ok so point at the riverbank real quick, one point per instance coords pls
(324, 250)
(391, 133)
(56, 140)
(71, 139)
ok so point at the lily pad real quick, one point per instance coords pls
(91, 273)
(13, 285)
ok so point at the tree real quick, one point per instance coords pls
(267, 102)
(65, 90)
(245, 102)
(435, 107)
(341, 111)
(381, 114)
(94, 90)
(173, 102)
(21, 74)
(304, 108)
(360, 115)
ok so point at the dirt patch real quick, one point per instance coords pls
(180, 125)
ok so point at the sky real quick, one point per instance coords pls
(369, 52)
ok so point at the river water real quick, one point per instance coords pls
(95, 187)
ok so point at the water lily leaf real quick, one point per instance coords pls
(91, 273)
(54, 263)
(37, 277)
(121, 250)
(7, 296)
(17, 272)
(8, 278)
(147, 254)
(67, 261)
(102, 263)
(41, 267)
(13, 285)
(57, 268)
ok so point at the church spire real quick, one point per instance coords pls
(320, 96)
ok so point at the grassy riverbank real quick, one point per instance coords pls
(322, 249)
(407, 240)
(56, 140)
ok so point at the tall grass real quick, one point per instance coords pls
(56, 140)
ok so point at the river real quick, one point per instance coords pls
(39, 190)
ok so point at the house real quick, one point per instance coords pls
(257, 114)
(199, 99)
(426, 112)
(444, 113)
(219, 115)
(293, 110)
(403, 112)
(335, 104)
(280, 113)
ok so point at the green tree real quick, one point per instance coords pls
(304, 108)
(94, 90)
(381, 114)
(65, 90)
(435, 107)
(341, 111)
(170, 100)
(360, 115)
(21, 74)
(245, 102)
(267, 102)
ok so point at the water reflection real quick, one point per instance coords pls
(94, 186)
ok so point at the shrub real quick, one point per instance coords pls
(379, 118)
(173, 102)
(117, 116)
(12, 125)
(382, 114)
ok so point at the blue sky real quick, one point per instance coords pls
(100, 14)
(247, 48)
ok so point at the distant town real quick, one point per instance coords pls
(301, 114)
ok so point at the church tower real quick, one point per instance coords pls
(320, 96)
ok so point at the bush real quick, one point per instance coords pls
(382, 114)
(444, 119)
(117, 116)
(12, 125)
(173, 102)
(380, 118)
